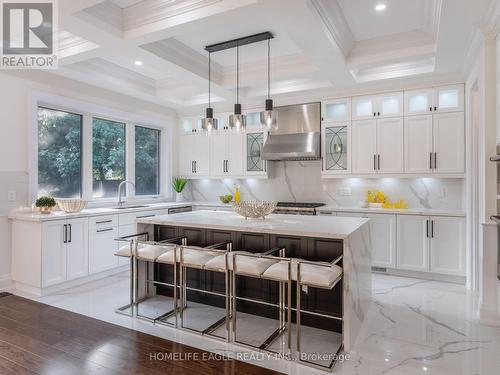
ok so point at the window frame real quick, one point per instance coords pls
(165, 125)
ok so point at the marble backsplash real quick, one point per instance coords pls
(300, 181)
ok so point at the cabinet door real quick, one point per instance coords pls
(102, 249)
(53, 253)
(412, 243)
(390, 145)
(336, 148)
(253, 119)
(234, 153)
(364, 146)
(363, 107)
(201, 151)
(449, 142)
(450, 98)
(185, 162)
(254, 165)
(77, 249)
(418, 102)
(383, 237)
(217, 153)
(390, 105)
(448, 245)
(418, 144)
(336, 110)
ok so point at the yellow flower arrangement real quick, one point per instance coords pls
(378, 197)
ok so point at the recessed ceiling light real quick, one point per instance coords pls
(380, 7)
(138, 62)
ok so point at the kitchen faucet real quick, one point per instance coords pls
(120, 201)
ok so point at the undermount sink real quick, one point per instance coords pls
(125, 207)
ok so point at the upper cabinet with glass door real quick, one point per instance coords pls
(336, 148)
(253, 119)
(336, 110)
(438, 99)
(254, 164)
(377, 106)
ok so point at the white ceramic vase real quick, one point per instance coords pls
(179, 197)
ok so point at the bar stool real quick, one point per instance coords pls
(149, 253)
(321, 275)
(193, 257)
(256, 266)
(127, 251)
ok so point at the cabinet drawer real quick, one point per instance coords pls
(107, 221)
(129, 218)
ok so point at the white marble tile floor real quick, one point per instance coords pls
(413, 327)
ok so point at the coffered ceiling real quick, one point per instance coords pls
(154, 49)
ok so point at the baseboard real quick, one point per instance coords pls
(6, 283)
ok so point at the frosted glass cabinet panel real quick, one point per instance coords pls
(253, 119)
(363, 107)
(336, 110)
(336, 148)
(450, 98)
(419, 101)
(390, 105)
(254, 165)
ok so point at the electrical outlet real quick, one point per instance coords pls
(344, 190)
(11, 196)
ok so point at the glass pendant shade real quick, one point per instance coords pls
(268, 117)
(237, 121)
(209, 123)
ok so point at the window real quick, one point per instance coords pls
(108, 157)
(147, 161)
(59, 153)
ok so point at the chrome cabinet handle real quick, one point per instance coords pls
(435, 161)
(378, 161)
(70, 233)
(432, 228)
(103, 222)
(374, 162)
(65, 234)
(104, 230)
(143, 216)
(427, 228)
(430, 160)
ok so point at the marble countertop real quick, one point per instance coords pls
(408, 211)
(307, 226)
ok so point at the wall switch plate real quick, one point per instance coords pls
(344, 190)
(11, 196)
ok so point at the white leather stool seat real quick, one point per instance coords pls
(168, 256)
(310, 274)
(124, 251)
(151, 252)
(218, 263)
(197, 258)
(252, 266)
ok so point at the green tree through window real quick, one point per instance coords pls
(59, 153)
(147, 161)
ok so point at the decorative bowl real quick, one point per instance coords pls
(71, 205)
(254, 209)
(226, 198)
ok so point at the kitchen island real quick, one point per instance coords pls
(314, 238)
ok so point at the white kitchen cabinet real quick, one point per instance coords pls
(254, 165)
(377, 146)
(336, 147)
(194, 160)
(336, 110)
(448, 98)
(102, 245)
(53, 252)
(377, 106)
(64, 250)
(226, 154)
(77, 248)
(413, 243)
(447, 235)
(383, 237)
(449, 142)
(364, 146)
(390, 141)
(435, 143)
(418, 144)
(218, 153)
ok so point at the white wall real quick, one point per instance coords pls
(16, 90)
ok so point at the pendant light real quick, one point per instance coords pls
(209, 123)
(268, 116)
(237, 121)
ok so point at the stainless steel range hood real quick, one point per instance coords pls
(298, 134)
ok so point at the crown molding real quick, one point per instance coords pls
(492, 18)
(334, 24)
(431, 17)
(391, 71)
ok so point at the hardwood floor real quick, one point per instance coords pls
(41, 339)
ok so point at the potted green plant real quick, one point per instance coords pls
(178, 184)
(45, 204)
